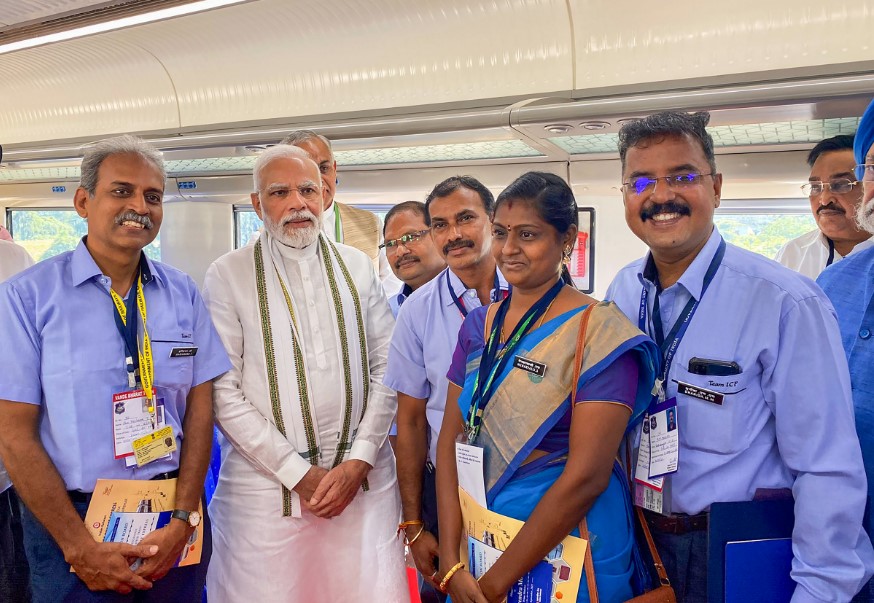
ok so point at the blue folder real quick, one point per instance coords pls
(736, 522)
(758, 570)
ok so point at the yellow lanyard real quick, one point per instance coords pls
(147, 363)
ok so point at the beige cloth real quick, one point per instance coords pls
(259, 555)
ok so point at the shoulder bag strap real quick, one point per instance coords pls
(588, 563)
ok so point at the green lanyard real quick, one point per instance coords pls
(338, 230)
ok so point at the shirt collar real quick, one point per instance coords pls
(84, 267)
(693, 278)
(460, 288)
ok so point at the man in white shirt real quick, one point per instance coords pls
(343, 223)
(307, 503)
(14, 582)
(834, 197)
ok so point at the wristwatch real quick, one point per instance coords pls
(192, 518)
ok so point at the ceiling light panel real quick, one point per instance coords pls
(742, 135)
(501, 149)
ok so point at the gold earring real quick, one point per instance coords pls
(566, 255)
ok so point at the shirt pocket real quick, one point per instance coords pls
(172, 372)
(718, 428)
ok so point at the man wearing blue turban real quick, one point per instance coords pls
(850, 286)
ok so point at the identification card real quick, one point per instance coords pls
(649, 499)
(664, 439)
(470, 467)
(154, 445)
(183, 352)
(641, 470)
(700, 393)
(133, 416)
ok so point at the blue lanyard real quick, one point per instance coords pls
(492, 363)
(128, 331)
(682, 324)
(460, 304)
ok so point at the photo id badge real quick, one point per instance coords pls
(664, 439)
(641, 470)
(154, 445)
(133, 416)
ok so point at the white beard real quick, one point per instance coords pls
(294, 237)
(865, 216)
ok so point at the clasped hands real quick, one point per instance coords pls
(327, 493)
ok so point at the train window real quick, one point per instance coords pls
(247, 224)
(763, 233)
(48, 232)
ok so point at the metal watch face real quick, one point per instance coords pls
(194, 519)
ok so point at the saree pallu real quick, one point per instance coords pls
(524, 408)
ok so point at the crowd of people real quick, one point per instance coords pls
(356, 425)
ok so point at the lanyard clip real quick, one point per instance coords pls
(657, 389)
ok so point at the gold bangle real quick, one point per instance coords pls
(410, 542)
(408, 524)
(449, 575)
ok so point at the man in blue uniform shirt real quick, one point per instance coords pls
(752, 366)
(850, 286)
(83, 332)
(458, 214)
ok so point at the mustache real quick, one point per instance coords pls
(406, 259)
(132, 216)
(302, 214)
(457, 245)
(832, 206)
(671, 207)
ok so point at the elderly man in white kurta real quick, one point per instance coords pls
(307, 502)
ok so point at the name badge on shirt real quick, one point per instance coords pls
(700, 393)
(536, 370)
(183, 352)
(155, 445)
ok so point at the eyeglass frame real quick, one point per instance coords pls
(852, 184)
(626, 186)
(863, 169)
(415, 237)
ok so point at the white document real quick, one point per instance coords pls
(471, 476)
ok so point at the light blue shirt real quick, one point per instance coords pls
(62, 351)
(786, 420)
(850, 286)
(423, 342)
(396, 301)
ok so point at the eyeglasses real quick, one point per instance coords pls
(407, 239)
(865, 171)
(642, 184)
(838, 186)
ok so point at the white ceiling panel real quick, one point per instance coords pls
(625, 42)
(13, 12)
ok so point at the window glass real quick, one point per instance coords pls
(47, 232)
(763, 233)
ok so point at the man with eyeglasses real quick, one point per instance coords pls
(834, 194)
(458, 212)
(850, 286)
(751, 366)
(410, 250)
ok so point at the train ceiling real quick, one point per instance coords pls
(400, 82)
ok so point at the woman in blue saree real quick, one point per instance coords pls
(550, 440)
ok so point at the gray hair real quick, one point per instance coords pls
(298, 136)
(126, 144)
(668, 123)
(280, 151)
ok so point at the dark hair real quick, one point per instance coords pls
(664, 124)
(452, 184)
(551, 197)
(841, 142)
(416, 207)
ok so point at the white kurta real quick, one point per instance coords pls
(808, 254)
(259, 555)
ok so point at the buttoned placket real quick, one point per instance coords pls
(315, 339)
